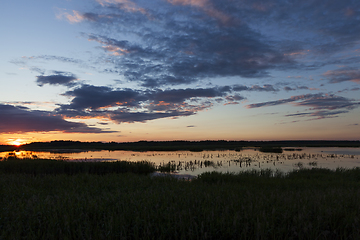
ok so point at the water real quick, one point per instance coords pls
(194, 163)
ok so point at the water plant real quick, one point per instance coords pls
(271, 149)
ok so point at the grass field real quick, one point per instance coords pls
(304, 204)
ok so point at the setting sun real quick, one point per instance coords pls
(16, 142)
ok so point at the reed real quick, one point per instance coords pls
(303, 204)
(13, 165)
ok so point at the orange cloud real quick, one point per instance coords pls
(198, 3)
(125, 4)
(260, 7)
(297, 53)
(75, 17)
(204, 5)
(116, 51)
(349, 12)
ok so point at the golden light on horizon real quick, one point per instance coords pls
(16, 142)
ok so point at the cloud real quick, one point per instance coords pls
(318, 114)
(73, 17)
(287, 88)
(166, 43)
(206, 6)
(129, 105)
(257, 88)
(180, 45)
(130, 117)
(265, 88)
(342, 75)
(123, 5)
(316, 101)
(180, 95)
(330, 102)
(95, 97)
(164, 46)
(173, 42)
(14, 119)
(283, 101)
(320, 106)
(59, 78)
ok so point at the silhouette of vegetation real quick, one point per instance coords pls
(177, 145)
(13, 165)
(292, 149)
(7, 148)
(271, 149)
(303, 204)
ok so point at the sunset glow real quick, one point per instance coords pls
(16, 142)
(130, 70)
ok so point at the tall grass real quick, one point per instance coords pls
(304, 204)
(46, 166)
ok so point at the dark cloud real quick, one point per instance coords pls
(318, 114)
(16, 119)
(287, 88)
(320, 105)
(103, 123)
(128, 105)
(330, 102)
(180, 41)
(59, 78)
(283, 101)
(233, 99)
(180, 95)
(329, 25)
(342, 75)
(303, 88)
(94, 97)
(120, 116)
(239, 88)
(316, 101)
(265, 88)
(257, 88)
(179, 44)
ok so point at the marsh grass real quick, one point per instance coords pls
(271, 149)
(13, 165)
(304, 204)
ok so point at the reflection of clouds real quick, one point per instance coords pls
(225, 161)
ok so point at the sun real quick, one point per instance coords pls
(17, 142)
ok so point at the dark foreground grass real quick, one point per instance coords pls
(52, 167)
(307, 204)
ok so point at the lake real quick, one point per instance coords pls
(194, 163)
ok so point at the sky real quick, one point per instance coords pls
(159, 70)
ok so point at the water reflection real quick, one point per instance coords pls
(194, 163)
